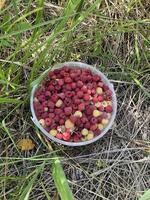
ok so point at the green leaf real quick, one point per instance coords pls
(146, 195)
(61, 181)
(26, 191)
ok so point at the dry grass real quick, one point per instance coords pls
(115, 38)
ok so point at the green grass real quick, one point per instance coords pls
(35, 35)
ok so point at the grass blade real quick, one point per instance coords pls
(9, 100)
(61, 181)
(26, 191)
(146, 195)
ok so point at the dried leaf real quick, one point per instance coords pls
(26, 144)
(2, 4)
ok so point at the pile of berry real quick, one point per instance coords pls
(73, 104)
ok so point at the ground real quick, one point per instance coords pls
(110, 35)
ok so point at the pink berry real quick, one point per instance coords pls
(68, 94)
(105, 87)
(84, 88)
(101, 108)
(79, 84)
(50, 104)
(87, 125)
(96, 78)
(68, 110)
(80, 94)
(93, 127)
(58, 111)
(47, 93)
(86, 97)
(73, 85)
(67, 80)
(51, 88)
(59, 136)
(77, 101)
(93, 91)
(100, 84)
(61, 95)
(100, 98)
(108, 109)
(95, 99)
(51, 115)
(56, 118)
(73, 119)
(81, 106)
(54, 98)
(48, 121)
(76, 138)
(66, 136)
(62, 122)
(93, 120)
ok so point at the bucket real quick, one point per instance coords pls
(103, 78)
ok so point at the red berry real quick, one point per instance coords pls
(54, 97)
(86, 97)
(101, 108)
(84, 120)
(95, 99)
(66, 136)
(93, 127)
(96, 78)
(67, 101)
(108, 92)
(80, 94)
(59, 136)
(51, 115)
(73, 85)
(68, 94)
(81, 106)
(51, 73)
(100, 98)
(68, 110)
(79, 84)
(93, 91)
(87, 125)
(100, 84)
(41, 98)
(105, 87)
(77, 101)
(93, 120)
(67, 80)
(84, 88)
(50, 104)
(47, 93)
(48, 121)
(97, 131)
(73, 119)
(108, 109)
(58, 111)
(76, 138)
(89, 91)
(62, 122)
(61, 95)
(72, 75)
(44, 103)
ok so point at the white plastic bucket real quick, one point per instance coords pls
(104, 79)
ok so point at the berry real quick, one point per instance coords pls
(100, 126)
(77, 101)
(73, 85)
(99, 90)
(62, 122)
(87, 125)
(80, 94)
(86, 97)
(66, 136)
(67, 101)
(100, 98)
(93, 120)
(42, 122)
(95, 99)
(76, 138)
(93, 127)
(101, 108)
(48, 121)
(105, 122)
(97, 105)
(79, 84)
(59, 136)
(78, 113)
(96, 113)
(73, 119)
(84, 88)
(68, 80)
(90, 136)
(50, 104)
(60, 82)
(51, 115)
(58, 111)
(61, 95)
(53, 132)
(69, 124)
(81, 106)
(47, 93)
(108, 109)
(68, 110)
(59, 103)
(54, 98)
(84, 131)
